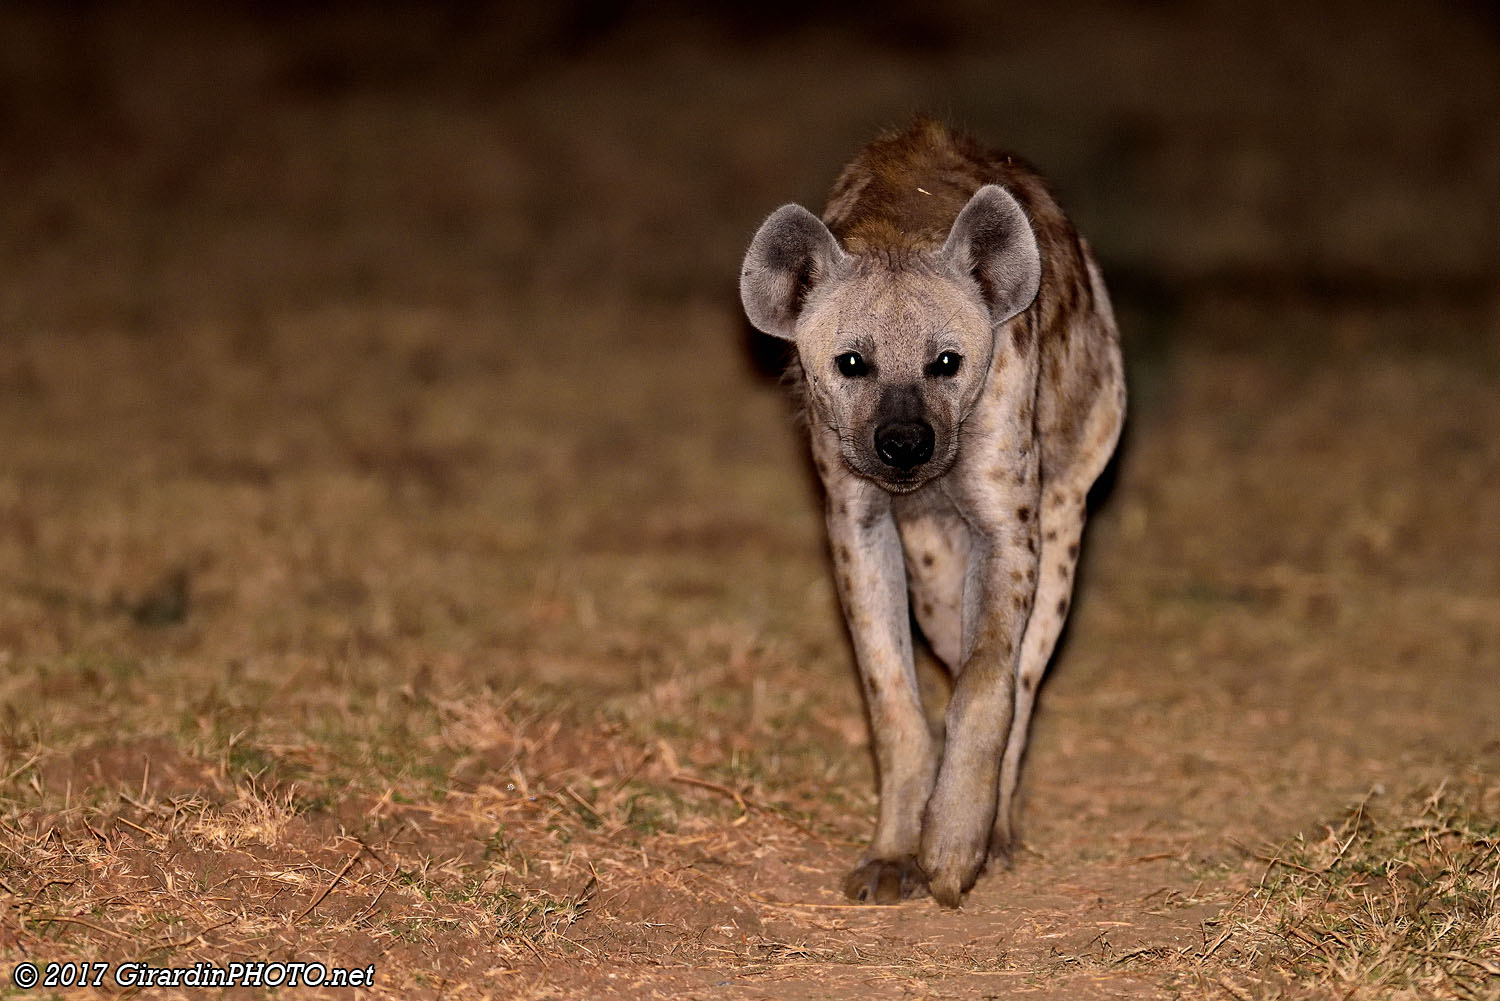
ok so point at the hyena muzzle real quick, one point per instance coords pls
(963, 385)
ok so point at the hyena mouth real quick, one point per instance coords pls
(899, 481)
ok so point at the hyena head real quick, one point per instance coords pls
(895, 345)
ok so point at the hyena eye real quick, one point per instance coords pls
(852, 365)
(945, 364)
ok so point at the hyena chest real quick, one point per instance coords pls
(938, 550)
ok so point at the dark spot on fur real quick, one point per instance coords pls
(1062, 606)
(1031, 575)
(1030, 544)
(927, 559)
(842, 552)
(1062, 570)
(1073, 551)
(927, 609)
(1052, 536)
(843, 508)
(1029, 683)
(1020, 333)
(1018, 600)
(1015, 576)
(1054, 376)
(1024, 513)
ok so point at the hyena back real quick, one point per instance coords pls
(963, 382)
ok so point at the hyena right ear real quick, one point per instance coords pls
(790, 254)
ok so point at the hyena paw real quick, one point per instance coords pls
(1003, 843)
(885, 881)
(952, 868)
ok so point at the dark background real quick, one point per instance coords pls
(1327, 152)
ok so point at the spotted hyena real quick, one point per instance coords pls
(961, 370)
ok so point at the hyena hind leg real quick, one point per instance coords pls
(1063, 513)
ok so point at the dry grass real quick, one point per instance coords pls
(1397, 899)
(184, 858)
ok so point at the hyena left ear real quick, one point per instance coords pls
(992, 240)
(791, 253)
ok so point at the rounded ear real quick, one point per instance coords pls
(992, 240)
(790, 254)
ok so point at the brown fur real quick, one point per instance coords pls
(904, 190)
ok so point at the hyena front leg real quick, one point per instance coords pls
(1062, 521)
(872, 585)
(998, 596)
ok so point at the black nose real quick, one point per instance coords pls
(904, 444)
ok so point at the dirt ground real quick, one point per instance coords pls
(408, 556)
